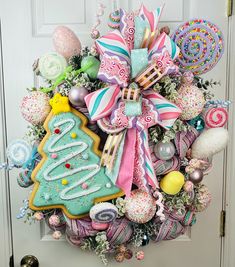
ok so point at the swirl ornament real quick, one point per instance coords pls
(216, 117)
(103, 212)
(52, 65)
(201, 43)
(18, 152)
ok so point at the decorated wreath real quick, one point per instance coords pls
(123, 134)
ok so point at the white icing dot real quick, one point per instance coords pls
(108, 185)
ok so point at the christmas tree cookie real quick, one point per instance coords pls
(69, 175)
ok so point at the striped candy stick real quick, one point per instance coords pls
(164, 41)
(101, 103)
(168, 111)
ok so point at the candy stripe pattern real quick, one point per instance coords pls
(201, 43)
(151, 17)
(168, 111)
(216, 117)
(114, 44)
(164, 41)
(101, 103)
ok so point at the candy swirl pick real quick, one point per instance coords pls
(216, 117)
(52, 65)
(103, 212)
(201, 43)
(18, 152)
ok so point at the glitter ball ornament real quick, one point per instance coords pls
(119, 257)
(54, 220)
(190, 100)
(188, 186)
(35, 107)
(139, 255)
(202, 199)
(140, 206)
(38, 216)
(91, 66)
(77, 95)
(57, 235)
(164, 151)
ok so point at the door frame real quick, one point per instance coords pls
(227, 243)
(6, 249)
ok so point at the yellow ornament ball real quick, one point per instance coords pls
(172, 183)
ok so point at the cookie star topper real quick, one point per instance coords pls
(60, 104)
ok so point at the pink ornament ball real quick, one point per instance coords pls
(140, 206)
(54, 220)
(190, 100)
(66, 43)
(35, 107)
(139, 255)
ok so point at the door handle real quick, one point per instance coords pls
(29, 261)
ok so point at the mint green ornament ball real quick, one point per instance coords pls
(91, 65)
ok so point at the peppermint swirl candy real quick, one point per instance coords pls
(52, 65)
(201, 44)
(216, 117)
(19, 152)
(103, 212)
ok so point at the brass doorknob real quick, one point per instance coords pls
(29, 261)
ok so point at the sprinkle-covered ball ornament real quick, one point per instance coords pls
(52, 65)
(190, 100)
(66, 42)
(164, 151)
(54, 220)
(91, 66)
(140, 206)
(35, 107)
(57, 235)
(139, 255)
(77, 95)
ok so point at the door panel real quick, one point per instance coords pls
(27, 27)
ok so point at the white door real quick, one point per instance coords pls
(26, 30)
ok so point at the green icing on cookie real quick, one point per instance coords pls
(70, 175)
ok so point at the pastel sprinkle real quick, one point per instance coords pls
(73, 135)
(64, 182)
(84, 186)
(54, 156)
(57, 131)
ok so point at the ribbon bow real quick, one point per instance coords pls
(126, 115)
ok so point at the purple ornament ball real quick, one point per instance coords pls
(77, 95)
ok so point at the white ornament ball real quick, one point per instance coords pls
(35, 107)
(66, 43)
(209, 143)
(140, 206)
(191, 101)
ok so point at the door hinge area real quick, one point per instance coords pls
(222, 223)
(11, 261)
(229, 8)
